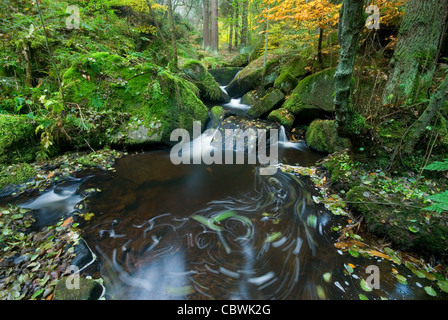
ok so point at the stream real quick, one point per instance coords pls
(165, 231)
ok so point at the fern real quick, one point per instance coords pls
(440, 200)
(438, 166)
(440, 203)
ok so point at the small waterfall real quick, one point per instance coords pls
(282, 135)
(235, 105)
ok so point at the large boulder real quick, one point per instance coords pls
(224, 75)
(322, 136)
(313, 96)
(255, 76)
(282, 117)
(132, 102)
(266, 104)
(209, 89)
(290, 74)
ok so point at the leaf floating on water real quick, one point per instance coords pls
(312, 221)
(222, 216)
(327, 277)
(443, 285)
(273, 236)
(349, 268)
(401, 279)
(430, 291)
(321, 292)
(207, 222)
(362, 297)
(365, 286)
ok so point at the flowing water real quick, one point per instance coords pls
(165, 231)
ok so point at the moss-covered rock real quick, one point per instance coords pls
(286, 82)
(77, 288)
(406, 226)
(18, 142)
(250, 98)
(283, 117)
(142, 102)
(313, 96)
(209, 89)
(290, 74)
(322, 136)
(16, 174)
(266, 104)
(240, 60)
(217, 114)
(224, 75)
(251, 77)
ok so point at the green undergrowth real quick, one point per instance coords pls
(393, 206)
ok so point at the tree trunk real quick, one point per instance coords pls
(351, 23)
(215, 34)
(156, 22)
(436, 104)
(319, 46)
(173, 35)
(244, 22)
(237, 25)
(28, 70)
(418, 48)
(206, 24)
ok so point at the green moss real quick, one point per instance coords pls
(390, 218)
(209, 89)
(285, 82)
(283, 117)
(155, 100)
(266, 104)
(16, 174)
(18, 141)
(322, 136)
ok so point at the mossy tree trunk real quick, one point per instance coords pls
(419, 128)
(351, 22)
(418, 48)
(173, 36)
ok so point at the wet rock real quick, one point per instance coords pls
(252, 77)
(77, 288)
(322, 136)
(283, 117)
(266, 104)
(224, 75)
(313, 97)
(209, 89)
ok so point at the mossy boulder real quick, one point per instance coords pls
(209, 89)
(405, 226)
(283, 117)
(250, 98)
(322, 136)
(77, 288)
(290, 74)
(16, 174)
(224, 75)
(18, 141)
(217, 114)
(240, 60)
(266, 104)
(254, 76)
(142, 102)
(313, 96)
